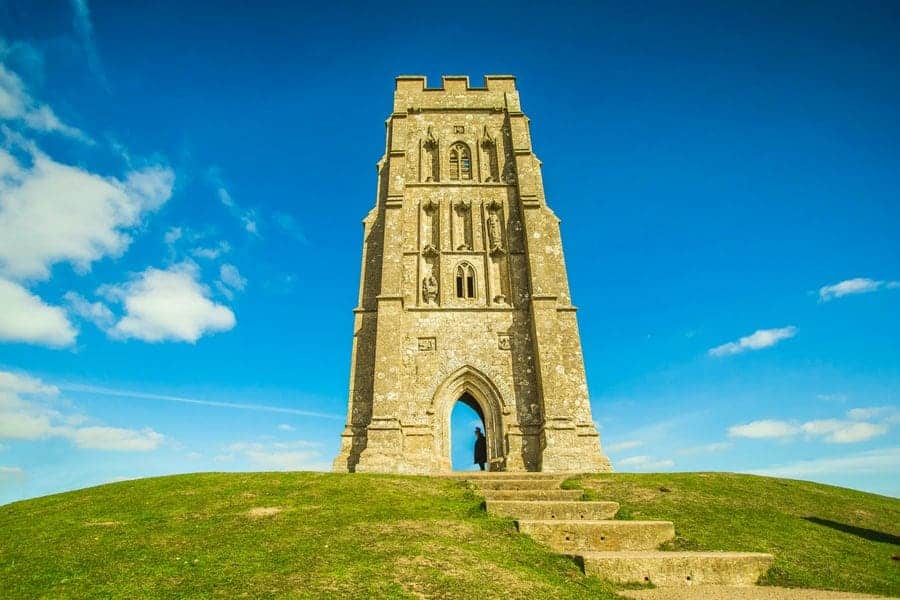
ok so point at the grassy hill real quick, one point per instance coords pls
(267, 535)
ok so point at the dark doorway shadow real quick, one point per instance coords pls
(866, 534)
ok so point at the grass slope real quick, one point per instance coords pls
(822, 536)
(335, 536)
(309, 535)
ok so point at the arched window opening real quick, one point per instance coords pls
(465, 281)
(460, 162)
(464, 418)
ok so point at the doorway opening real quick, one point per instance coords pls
(464, 418)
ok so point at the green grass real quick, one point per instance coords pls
(353, 536)
(822, 536)
(194, 536)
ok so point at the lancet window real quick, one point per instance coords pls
(465, 281)
(460, 162)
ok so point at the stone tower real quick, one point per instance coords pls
(464, 295)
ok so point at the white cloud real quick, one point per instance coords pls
(834, 431)
(23, 384)
(114, 438)
(24, 317)
(26, 414)
(17, 105)
(883, 462)
(857, 285)
(871, 412)
(168, 305)
(173, 234)
(294, 455)
(763, 429)
(285, 427)
(627, 445)
(95, 312)
(51, 212)
(759, 339)
(231, 277)
(645, 463)
(212, 253)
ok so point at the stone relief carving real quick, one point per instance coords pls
(431, 162)
(503, 341)
(429, 289)
(495, 229)
(489, 147)
(427, 344)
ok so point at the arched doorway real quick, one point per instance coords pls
(464, 418)
(471, 386)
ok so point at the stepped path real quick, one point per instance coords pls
(625, 551)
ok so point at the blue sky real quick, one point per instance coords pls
(182, 184)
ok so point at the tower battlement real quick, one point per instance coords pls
(456, 92)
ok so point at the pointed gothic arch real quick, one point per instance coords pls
(469, 385)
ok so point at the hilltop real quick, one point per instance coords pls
(268, 535)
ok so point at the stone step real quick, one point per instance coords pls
(677, 568)
(572, 537)
(553, 509)
(479, 475)
(519, 484)
(525, 495)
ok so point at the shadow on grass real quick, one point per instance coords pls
(867, 534)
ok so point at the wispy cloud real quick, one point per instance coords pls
(91, 389)
(759, 339)
(857, 285)
(855, 428)
(247, 217)
(764, 429)
(28, 412)
(626, 445)
(282, 456)
(17, 105)
(885, 462)
(84, 28)
(645, 463)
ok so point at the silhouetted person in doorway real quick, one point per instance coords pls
(480, 448)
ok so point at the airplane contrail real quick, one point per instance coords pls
(77, 387)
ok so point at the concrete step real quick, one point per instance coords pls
(519, 484)
(572, 537)
(539, 510)
(525, 495)
(677, 568)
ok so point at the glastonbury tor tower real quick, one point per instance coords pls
(464, 295)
